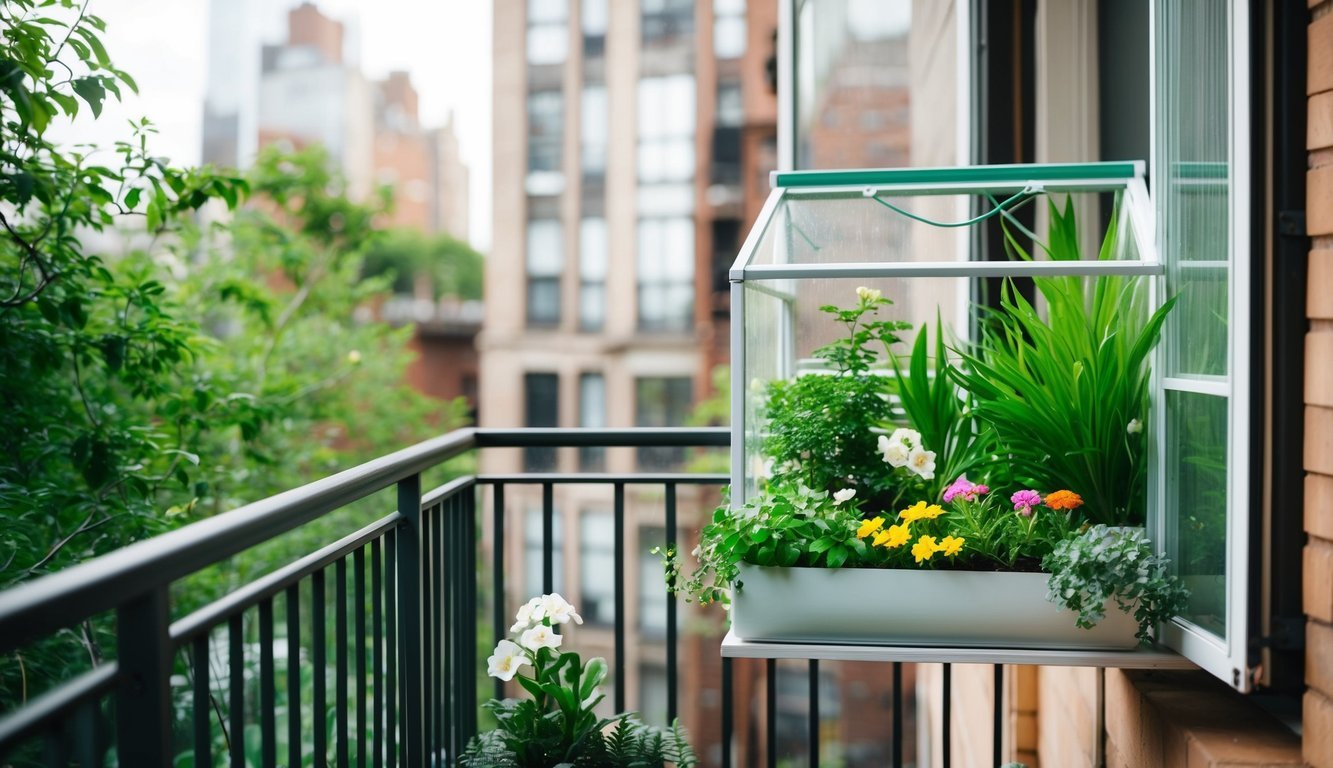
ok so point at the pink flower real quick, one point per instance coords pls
(1024, 501)
(964, 489)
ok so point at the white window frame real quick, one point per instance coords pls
(1226, 658)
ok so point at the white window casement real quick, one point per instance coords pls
(1201, 188)
(1202, 500)
(548, 32)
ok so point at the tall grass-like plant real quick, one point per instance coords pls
(1067, 392)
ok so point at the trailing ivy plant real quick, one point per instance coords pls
(1102, 564)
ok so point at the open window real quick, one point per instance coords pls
(1182, 70)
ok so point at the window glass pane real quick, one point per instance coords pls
(593, 129)
(597, 568)
(540, 409)
(532, 554)
(594, 17)
(1193, 185)
(729, 36)
(592, 306)
(667, 22)
(652, 582)
(1197, 503)
(852, 59)
(548, 44)
(592, 415)
(545, 250)
(592, 249)
(653, 691)
(665, 267)
(545, 124)
(547, 10)
(543, 301)
(662, 402)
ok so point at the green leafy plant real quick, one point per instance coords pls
(558, 725)
(821, 426)
(1067, 392)
(1103, 564)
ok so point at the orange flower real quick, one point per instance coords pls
(1064, 500)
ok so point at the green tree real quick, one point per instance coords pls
(209, 366)
(453, 268)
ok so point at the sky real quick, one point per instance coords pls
(444, 44)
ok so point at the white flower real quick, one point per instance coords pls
(558, 610)
(506, 660)
(527, 615)
(909, 437)
(844, 495)
(354, 357)
(538, 637)
(895, 452)
(922, 462)
(868, 294)
(1134, 427)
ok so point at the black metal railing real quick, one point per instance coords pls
(364, 650)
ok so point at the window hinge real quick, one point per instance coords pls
(1291, 223)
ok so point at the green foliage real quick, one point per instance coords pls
(453, 268)
(558, 724)
(1102, 564)
(202, 369)
(1067, 394)
(928, 391)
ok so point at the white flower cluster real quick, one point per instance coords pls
(904, 449)
(534, 626)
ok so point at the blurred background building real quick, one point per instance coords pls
(308, 89)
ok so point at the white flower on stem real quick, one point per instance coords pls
(868, 294)
(904, 436)
(538, 637)
(845, 494)
(558, 610)
(506, 660)
(895, 452)
(354, 357)
(922, 462)
(1134, 427)
(527, 615)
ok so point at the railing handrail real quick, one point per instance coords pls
(47, 604)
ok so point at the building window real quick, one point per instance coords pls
(597, 567)
(546, 261)
(1204, 359)
(726, 167)
(666, 112)
(667, 22)
(594, 21)
(593, 248)
(546, 116)
(541, 408)
(592, 415)
(533, 554)
(594, 125)
(662, 402)
(665, 271)
(654, 687)
(726, 246)
(652, 586)
(729, 29)
(548, 33)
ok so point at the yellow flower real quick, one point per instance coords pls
(950, 545)
(895, 536)
(869, 526)
(920, 511)
(924, 548)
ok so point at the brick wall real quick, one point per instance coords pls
(1318, 703)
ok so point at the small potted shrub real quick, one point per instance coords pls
(557, 724)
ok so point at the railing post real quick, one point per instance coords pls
(408, 541)
(143, 699)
